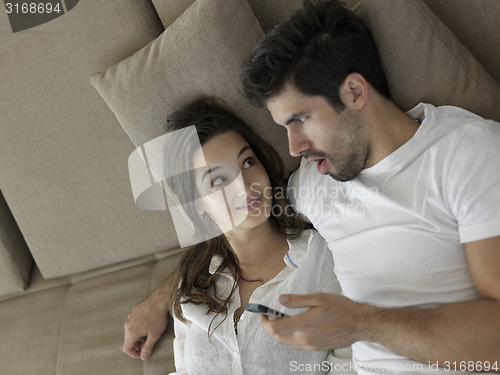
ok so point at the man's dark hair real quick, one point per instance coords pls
(314, 50)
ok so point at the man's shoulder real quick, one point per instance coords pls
(457, 119)
(447, 128)
(465, 131)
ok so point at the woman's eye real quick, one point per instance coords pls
(248, 163)
(217, 181)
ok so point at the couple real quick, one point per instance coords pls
(418, 262)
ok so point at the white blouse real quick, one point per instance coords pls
(309, 269)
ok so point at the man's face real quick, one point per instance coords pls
(337, 141)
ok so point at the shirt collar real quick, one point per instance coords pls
(297, 252)
(297, 249)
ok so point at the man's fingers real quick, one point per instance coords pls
(298, 300)
(281, 326)
(129, 346)
(147, 348)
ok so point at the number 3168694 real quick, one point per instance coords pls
(33, 8)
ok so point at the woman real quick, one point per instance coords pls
(255, 248)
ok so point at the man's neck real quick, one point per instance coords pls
(390, 129)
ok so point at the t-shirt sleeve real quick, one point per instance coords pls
(328, 282)
(296, 187)
(474, 182)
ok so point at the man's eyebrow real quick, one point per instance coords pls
(295, 117)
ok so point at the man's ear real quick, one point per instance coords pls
(354, 91)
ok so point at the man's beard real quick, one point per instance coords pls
(347, 171)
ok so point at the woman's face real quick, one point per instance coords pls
(233, 185)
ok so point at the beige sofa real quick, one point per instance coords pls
(80, 92)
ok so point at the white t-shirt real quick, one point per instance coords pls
(309, 269)
(397, 230)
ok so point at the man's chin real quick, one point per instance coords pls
(343, 177)
(337, 178)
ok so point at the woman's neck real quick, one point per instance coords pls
(260, 250)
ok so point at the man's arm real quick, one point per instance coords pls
(466, 331)
(148, 320)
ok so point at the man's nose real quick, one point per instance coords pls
(297, 143)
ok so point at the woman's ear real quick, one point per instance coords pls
(354, 91)
(200, 209)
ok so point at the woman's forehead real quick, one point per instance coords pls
(224, 148)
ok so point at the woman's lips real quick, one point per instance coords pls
(252, 204)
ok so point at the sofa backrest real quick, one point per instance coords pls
(63, 153)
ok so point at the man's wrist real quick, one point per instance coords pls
(162, 296)
(370, 323)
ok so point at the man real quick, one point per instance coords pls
(409, 203)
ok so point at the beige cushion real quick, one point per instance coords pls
(63, 154)
(31, 327)
(15, 259)
(170, 10)
(475, 23)
(425, 62)
(78, 329)
(268, 13)
(95, 310)
(200, 53)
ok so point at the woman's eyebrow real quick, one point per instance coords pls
(208, 171)
(246, 147)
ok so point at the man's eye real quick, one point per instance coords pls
(248, 163)
(302, 119)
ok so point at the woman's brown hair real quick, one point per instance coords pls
(211, 118)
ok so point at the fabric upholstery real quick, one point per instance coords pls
(404, 27)
(425, 62)
(84, 324)
(268, 13)
(78, 329)
(30, 327)
(199, 54)
(15, 259)
(169, 10)
(63, 155)
(472, 22)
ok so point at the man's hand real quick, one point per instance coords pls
(148, 320)
(144, 326)
(332, 321)
(423, 334)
